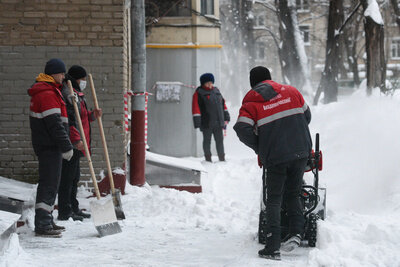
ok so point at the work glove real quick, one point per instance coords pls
(68, 155)
(197, 121)
(73, 97)
(225, 124)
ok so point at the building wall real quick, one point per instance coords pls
(180, 49)
(171, 130)
(85, 32)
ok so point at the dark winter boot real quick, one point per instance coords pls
(269, 254)
(47, 233)
(221, 157)
(72, 215)
(82, 214)
(291, 242)
(58, 227)
(208, 158)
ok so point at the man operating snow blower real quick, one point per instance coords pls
(273, 121)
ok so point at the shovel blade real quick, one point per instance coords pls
(104, 218)
(118, 205)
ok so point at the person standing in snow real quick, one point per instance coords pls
(68, 205)
(49, 130)
(273, 121)
(210, 114)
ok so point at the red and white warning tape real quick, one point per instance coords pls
(146, 94)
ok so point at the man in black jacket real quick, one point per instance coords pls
(68, 204)
(273, 121)
(210, 114)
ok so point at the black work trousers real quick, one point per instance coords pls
(50, 163)
(70, 175)
(284, 180)
(219, 140)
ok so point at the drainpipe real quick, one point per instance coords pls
(138, 146)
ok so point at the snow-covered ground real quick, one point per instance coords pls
(361, 146)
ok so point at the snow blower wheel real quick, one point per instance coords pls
(311, 233)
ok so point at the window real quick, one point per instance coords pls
(395, 48)
(260, 50)
(207, 7)
(305, 33)
(260, 20)
(302, 5)
(168, 8)
(182, 9)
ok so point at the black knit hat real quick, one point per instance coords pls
(206, 77)
(259, 74)
(54, 66)
(77, 72)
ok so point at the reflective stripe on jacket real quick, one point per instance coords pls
(48, 116)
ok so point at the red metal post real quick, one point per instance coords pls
(138, 148)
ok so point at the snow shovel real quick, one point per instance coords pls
(116, 196)
(102, 209)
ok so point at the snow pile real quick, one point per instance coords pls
(13, 254)
(210, 210)
(361, 152)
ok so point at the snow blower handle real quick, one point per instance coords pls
(317, 159)
(82, 132)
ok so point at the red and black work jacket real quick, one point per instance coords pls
(48, 116)
(86, 115)
(208, 108)
(273, 121)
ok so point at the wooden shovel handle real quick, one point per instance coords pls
(103, 138)
(82, 132)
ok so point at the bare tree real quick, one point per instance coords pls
(396, 10)
(288, 49)
(328, 82)
(374, 42)
(351, 39)
(238, 40)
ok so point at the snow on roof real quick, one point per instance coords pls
(177, 162)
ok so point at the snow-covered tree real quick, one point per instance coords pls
(374, 44)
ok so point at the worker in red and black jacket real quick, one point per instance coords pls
(49, 128)
(273, 121)
(68, 205)
(210, 115)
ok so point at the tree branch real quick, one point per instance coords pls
(349, 17)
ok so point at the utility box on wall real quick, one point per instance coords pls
(170, 126)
